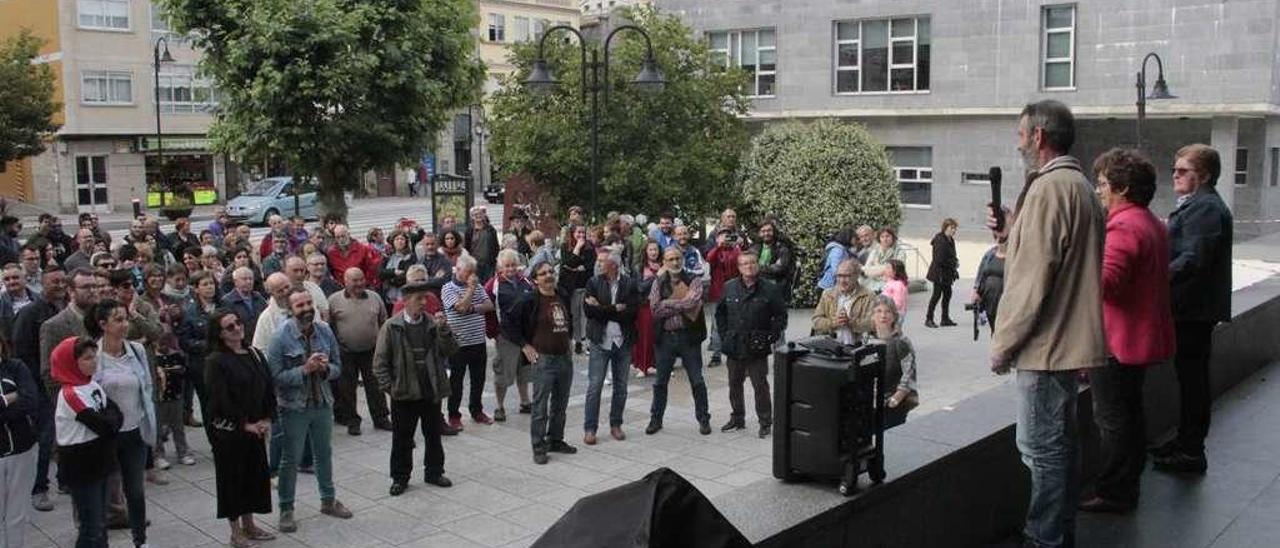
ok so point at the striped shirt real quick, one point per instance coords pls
(468, 329)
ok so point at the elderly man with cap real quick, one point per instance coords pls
(409, 364)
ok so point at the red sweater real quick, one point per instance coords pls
(358, 255)
(1136, 312)
(723, 262)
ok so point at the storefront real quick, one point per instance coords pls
(190, 167)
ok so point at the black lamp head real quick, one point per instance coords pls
(540, 78)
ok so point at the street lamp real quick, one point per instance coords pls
(159, 57)
(541, 80)
(1159, 91)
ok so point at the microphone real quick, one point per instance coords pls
(995, 175)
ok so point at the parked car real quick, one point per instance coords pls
(274, 196)
(494, 193)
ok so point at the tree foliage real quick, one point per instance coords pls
(333, 87)
(818, 178)
(676, 148)
(26, 98)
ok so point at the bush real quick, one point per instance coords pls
(816, 178)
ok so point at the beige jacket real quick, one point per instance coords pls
(1051, 311)
(824, 316)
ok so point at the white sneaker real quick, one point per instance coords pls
(188, 460)
(162, 464)
(608, 381)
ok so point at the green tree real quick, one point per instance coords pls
(817, 178)
(333, 87)
(676, 148)
(26, 98)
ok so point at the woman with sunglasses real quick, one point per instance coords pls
(241, 403)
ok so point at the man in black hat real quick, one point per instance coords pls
(408, 362)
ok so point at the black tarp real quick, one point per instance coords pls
(661, 510)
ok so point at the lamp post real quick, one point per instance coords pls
(1159, 91)
(158, 58)
(541, 80)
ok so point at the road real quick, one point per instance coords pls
(364, 215)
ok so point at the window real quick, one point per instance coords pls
(913, 167)
(521, 32)
(540, 26)
(879, 55)
(1242, 167)
(106, 87)
(497, 27)
(756, 51)
(973, 178)
(103, 14)
(182, 91)
(1059, 47)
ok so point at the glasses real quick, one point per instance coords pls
(1181, 171)
(233, 325)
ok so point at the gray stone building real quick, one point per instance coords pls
(941, 83)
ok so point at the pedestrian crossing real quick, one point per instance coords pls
(364, 215)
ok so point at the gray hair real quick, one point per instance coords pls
(508, 256)
(641, 219)
(319, 255)
(1056, 120)
(855, 263)
(887, 302)
(613, 256)
(416, 269)
(465, 262)
(209, 251)
(242, 272)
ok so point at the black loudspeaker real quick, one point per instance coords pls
(661, 510)
(829, 412)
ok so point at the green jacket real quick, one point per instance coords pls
(395, 369)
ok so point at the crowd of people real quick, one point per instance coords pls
(111, 351)
(115, 352)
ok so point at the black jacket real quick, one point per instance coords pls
(17, 421)
(518, 326)
(782, 268)
(570, 277)
(1200, 234)
(944, 269)
(26, 333)
(744, 312)
(599, 316)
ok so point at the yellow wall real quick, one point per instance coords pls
(41, 17)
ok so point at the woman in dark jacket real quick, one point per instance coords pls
(577, 265)
(241, 403)
(943, 272)
(399, 258)
(18, 403)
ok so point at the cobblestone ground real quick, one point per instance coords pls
(500, 497)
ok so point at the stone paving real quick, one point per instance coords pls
(500, 497)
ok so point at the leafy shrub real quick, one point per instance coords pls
(816, 178)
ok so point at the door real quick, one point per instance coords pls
(386, 182)
(91, 184)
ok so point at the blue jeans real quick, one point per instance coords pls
(90, 502)
(299, 424)
(552, 376)
(277, 447)
(1049, 444)
(672, 345)
(615, 360)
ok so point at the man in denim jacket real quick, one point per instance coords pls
(303, 358)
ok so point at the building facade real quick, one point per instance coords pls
(602, 8)
(941, 84)
(106, 153)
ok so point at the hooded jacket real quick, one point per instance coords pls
(17, 419)
(85, 421)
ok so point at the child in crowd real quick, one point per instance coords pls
(896, 288)
(172, 363)
(86, 424)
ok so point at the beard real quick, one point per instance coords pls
(306, 317)
(1030, 159)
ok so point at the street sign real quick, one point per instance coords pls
(451, 196)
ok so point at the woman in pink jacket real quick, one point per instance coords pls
(1137, 319)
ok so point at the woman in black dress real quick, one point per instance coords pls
(241, 403)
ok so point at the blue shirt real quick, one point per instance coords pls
(287, 353)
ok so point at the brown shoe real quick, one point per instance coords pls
(617, 433)
(589, 438)
(334, 507)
